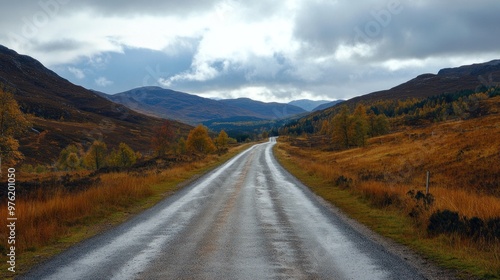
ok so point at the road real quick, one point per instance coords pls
(248, 219)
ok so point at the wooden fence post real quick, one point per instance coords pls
(427, 182)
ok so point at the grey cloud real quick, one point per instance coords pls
(422, 29)
(60, 45)
(152, 7)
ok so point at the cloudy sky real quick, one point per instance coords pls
(264, 49)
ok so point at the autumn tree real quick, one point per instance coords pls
(181, 146)
(163, 138)
(12, 123)
(359, 126)
(342, 128)
(221, 142)
(95, 158)
(265, 134)
(124, 156)
(69, 158)
(199, 141)
(378, 124)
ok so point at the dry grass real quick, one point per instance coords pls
(49, 223)
(463, 158)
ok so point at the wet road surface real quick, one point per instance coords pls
(248, 219)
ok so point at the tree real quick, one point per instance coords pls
(181, 146)
(221, 142)
(96, 155)
(360, 126)
(68, 158)
(381, 126)
(124, 156)
(342, 128)
(12, 123)
(265, 135)
(198, 141)
(163, 138)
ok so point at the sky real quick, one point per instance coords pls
(264, 49)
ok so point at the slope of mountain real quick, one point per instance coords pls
(269, 111)
(449, 80)
(166, 103)
(64, 113)
(327, 105)
(307, 104)
(468, 77)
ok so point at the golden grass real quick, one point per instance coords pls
(48, 224)
(464, 160)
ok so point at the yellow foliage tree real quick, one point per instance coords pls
(199, 141)
(221, 142)
(12, 123)
(124, 156)
(95, 158)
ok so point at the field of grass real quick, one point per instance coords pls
(371, 184)
(48, 224)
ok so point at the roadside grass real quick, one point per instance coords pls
(371, 185)
(48, 225)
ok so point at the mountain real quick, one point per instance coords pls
(166, 103)
(327, 105)
(307, 104)
(269, 111)
(468, 77)
(450, 80)
(64, 113)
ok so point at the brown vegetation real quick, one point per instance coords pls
(390, 172)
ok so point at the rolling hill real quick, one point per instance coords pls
(308, 105)
(64, 113)
(449, 80)
(327, 105)
(193, 109)
(166, 103)
(269, 111)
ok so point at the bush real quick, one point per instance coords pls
(343, 182)
(445, 222)
(450, 222)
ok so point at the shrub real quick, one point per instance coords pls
(445, 222)
(343, 182)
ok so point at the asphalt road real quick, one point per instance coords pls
(248, 219)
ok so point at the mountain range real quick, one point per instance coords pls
(309, 105)
(63, 113)
(193, 109)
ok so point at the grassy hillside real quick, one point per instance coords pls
(63, 113)
(383, 185)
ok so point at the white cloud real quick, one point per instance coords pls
(77, 72)
(103, 82)
(262, 48)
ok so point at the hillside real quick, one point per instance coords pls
(167, 103)
(63, 113)
(450, 80)
(269, 111)
(327, 105)
(308, 105)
